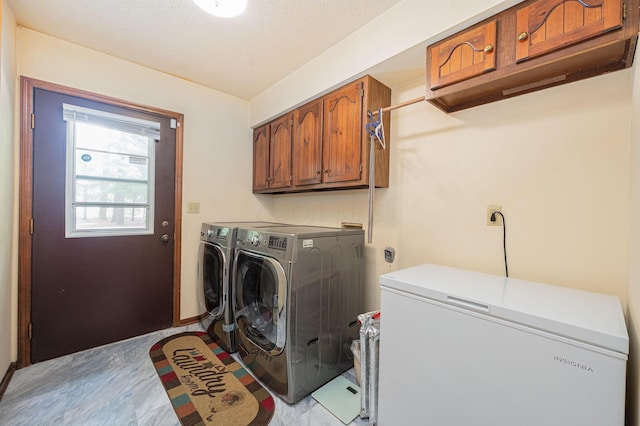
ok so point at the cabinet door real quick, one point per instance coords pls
(307, 144)
(548, 25)
(261, 158)
(342, 145)
(280, 152)
(464, 56)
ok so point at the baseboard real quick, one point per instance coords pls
(4, 384)
(188, 321)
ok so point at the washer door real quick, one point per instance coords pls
(260, 294)
(211, 286)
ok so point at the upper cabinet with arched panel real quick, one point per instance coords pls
(548, 25)
(537, 44)
(467, 55)
(323, 145)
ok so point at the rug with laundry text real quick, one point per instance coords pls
(206, 385)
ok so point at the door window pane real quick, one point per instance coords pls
(110, 174)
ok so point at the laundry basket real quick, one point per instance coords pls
(369, 346)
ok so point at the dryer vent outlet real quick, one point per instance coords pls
(389, 254)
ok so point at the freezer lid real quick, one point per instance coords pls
(588, 317)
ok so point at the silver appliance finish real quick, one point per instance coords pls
(215, 257)
(297, 295)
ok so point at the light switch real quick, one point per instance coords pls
(193, 207)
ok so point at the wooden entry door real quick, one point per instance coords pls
(103, 234)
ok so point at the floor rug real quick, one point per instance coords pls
(206, 385)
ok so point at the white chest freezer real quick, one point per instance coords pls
(466, 348)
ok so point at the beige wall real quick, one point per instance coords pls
(7, 150)
(556, 160)
(407, 24)
(217, 148)
(633, 312)
(561, 176)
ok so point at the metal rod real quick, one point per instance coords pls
(401, 105)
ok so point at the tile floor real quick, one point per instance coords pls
(116, 384)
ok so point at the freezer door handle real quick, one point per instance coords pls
(467, 304)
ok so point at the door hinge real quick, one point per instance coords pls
(33, 121)
(30, 330)
(624, 11)
(362, 90)
(31, 226)
(360, 167)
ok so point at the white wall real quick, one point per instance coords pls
(217, 148)
(7, 150)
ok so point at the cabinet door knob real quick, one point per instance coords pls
(488, 48)
(326, 170)
(523, 36)
(318, 172)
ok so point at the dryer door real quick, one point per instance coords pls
(211, 279)
(260, 289)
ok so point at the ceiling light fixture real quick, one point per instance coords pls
(222, 8)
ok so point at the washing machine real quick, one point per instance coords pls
(297, 293)
(215, 257)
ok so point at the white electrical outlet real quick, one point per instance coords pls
(498, 218)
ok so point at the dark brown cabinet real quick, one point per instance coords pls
(467, 55)
(272, 155)
(548, 25)
(307, 144)
(538, 44)
(342, 150)
(261, 158)
(329, 146)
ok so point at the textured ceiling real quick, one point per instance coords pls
(241, 56)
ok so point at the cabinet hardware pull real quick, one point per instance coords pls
(326, 170)
(318, 172)
(488, 48)
(523, 36)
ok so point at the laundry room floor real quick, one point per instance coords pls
(116, 384)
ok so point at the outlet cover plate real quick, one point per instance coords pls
(494, 208)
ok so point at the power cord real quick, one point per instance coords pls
(504, 238)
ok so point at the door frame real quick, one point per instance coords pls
(25, 214)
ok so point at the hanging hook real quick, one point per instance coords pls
(375, 128)
(379, 130)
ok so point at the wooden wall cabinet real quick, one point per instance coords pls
(307, 144)
(261, 158)
(467, 55)
(538, 44)
(329, 146)
(272, 155)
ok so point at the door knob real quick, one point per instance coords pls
(165, 238)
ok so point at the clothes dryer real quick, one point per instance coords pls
(297, 294)
(215, 257)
